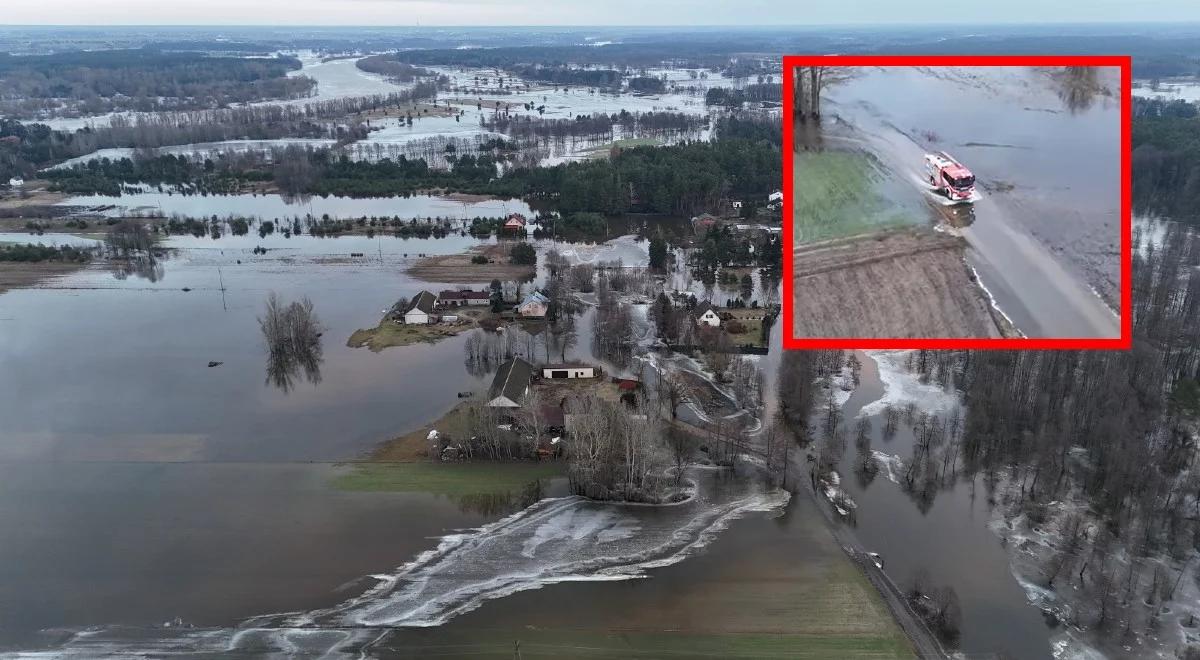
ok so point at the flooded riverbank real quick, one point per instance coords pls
(941, 536)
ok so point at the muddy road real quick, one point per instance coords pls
(1045, 234)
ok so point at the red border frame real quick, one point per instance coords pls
(1124, 342)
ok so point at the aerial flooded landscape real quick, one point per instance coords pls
(380, 342)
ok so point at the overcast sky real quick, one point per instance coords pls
(586, 12)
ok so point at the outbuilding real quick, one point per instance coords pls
(420, 309)
(559, 371)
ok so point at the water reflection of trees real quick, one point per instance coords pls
(130, 248)
(148, 267)
(499, 504)
(293, 335)
(1078, 87)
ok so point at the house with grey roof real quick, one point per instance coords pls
(420, 309)
(510, 386)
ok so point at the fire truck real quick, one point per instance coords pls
(949, 177)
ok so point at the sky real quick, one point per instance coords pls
(380, 13)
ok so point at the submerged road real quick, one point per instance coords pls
(1037, 293)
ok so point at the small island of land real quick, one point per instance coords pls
(391, 332)
(465, 268)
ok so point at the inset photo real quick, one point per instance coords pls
(956, 202)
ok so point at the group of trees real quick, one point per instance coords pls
(386, 65)
(30, 253)
(596, 127)
(147, 79)
(1166, 159)
(27, 148)
(612, 455)
(567, 75)
(731, 97)
(292, 333)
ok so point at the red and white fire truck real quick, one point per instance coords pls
(949, 177)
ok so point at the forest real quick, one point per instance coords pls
(141, 79)
(679, 179)
(597, 126)
(565, 75)
(26, 148)
(386, 65)
(1166, 160)
(734, 98)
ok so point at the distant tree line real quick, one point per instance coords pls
(80, 82)
(26, 148)
(386, 65)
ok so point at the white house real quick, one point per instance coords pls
(16, 182)
(568, 371)
(535, 305)
(706, 314)
(511, 384)
(420, 309)
(775, 198)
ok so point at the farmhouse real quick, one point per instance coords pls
(515, 222)
(534, 305)
(463, 297)
(420, 309)
(568, 371)
(703, 222)
(706, 314)
(16, 182)
(511, 384)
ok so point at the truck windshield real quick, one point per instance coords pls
(961, 182)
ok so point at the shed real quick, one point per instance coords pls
(568, 371)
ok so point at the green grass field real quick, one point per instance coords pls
(840, 193)
(452, 479)
(538, 643)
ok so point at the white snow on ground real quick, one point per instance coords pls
(1066, 646)
(902, 387)
(893, 465)
(843, 386)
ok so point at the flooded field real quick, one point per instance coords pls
(274, 206)
(1045, 234)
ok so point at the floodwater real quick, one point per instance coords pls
(336, 79)
(1045, 236)
(138, 485)
(947, 536)
(161, 488)
(272, 206)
